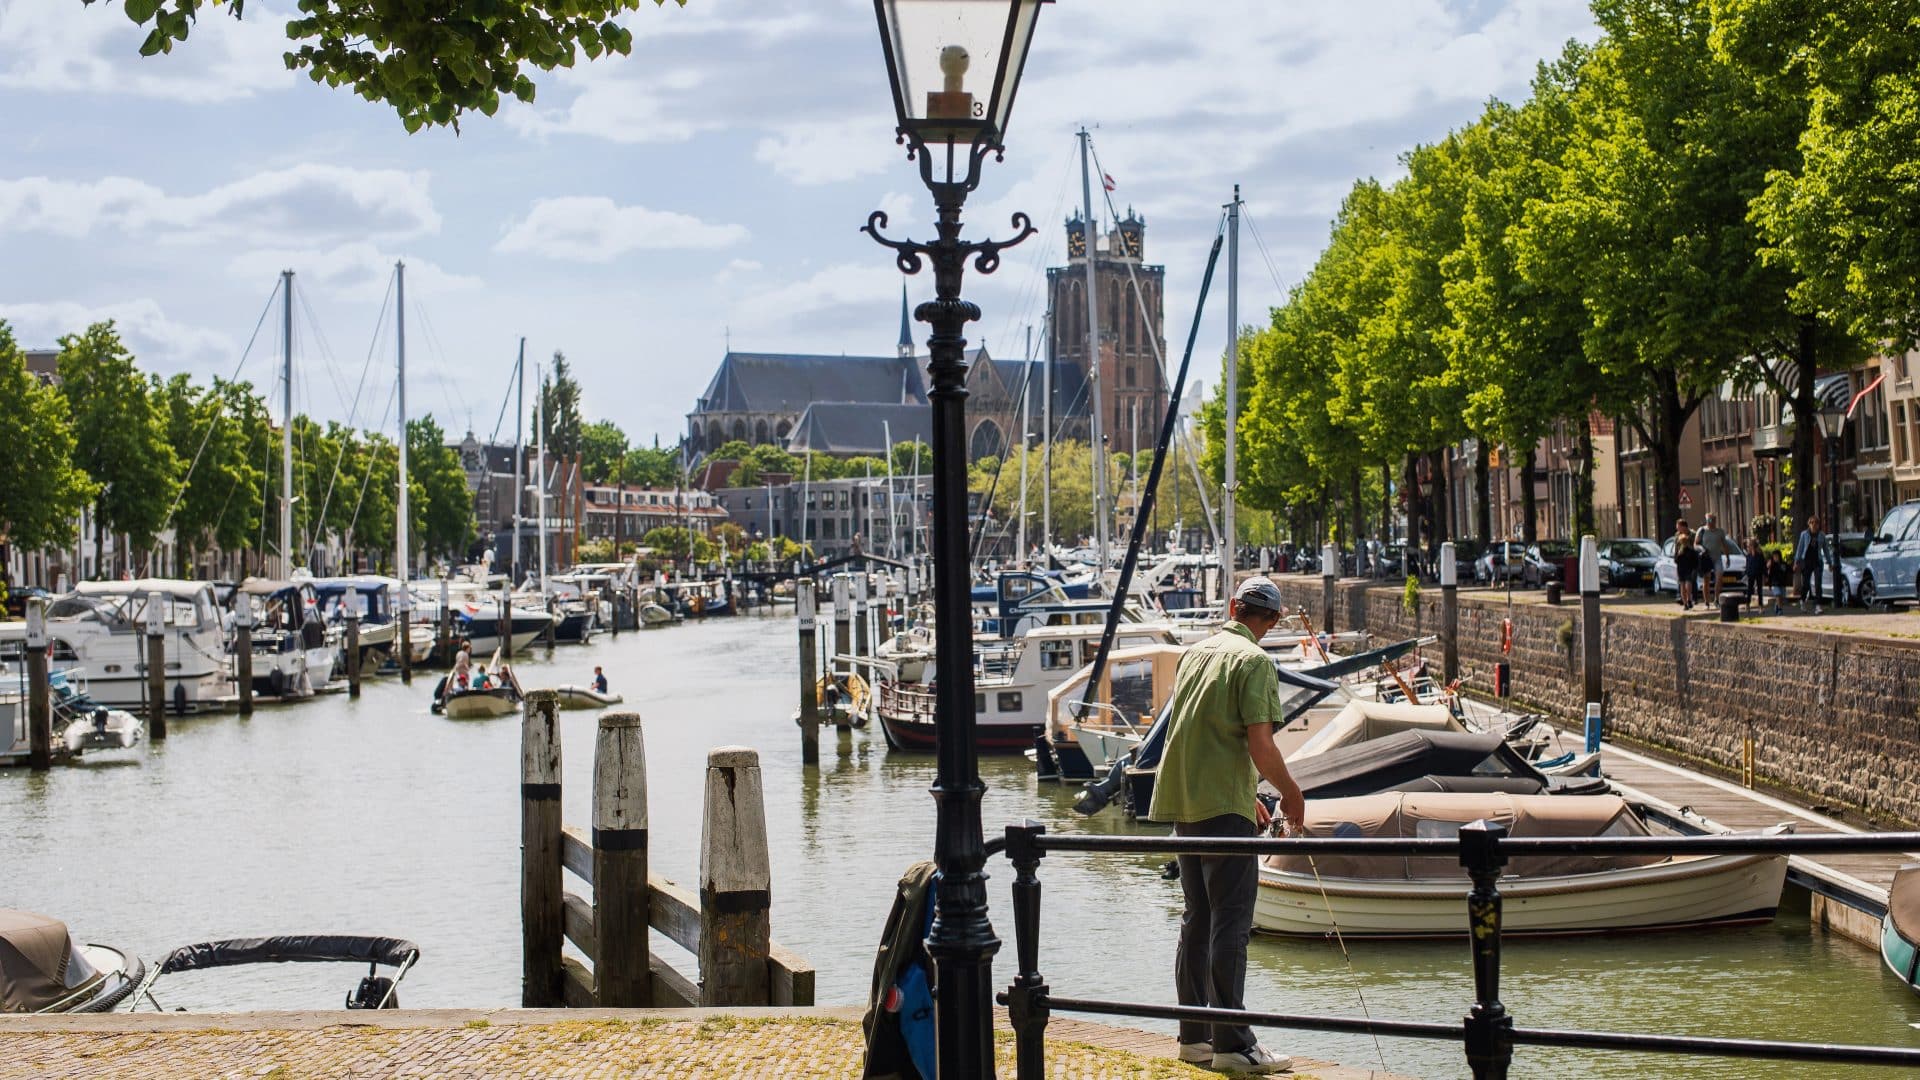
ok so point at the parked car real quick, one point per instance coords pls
(1547, 561)
(1666, 578)
(1627, 563)
(1492, 567)
(1892, 557)
(1853, 567)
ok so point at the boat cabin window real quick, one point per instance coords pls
(1056, 655)
(1009, 700)
(1132, 688)
(979, 703)
(1013, 588)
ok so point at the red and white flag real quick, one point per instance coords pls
(1864, 391)
(1106, 181)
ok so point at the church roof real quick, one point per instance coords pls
(852, 427)
(789, 382)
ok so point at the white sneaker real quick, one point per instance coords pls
(1198, 1053)
(1253, 1061)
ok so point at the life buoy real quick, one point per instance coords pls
(1506, 636)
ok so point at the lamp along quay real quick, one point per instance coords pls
(953, 67)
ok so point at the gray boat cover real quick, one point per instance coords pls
(39, 962)
(291, 948)
(1423, 814)
(1406, 757)
(1903, 902)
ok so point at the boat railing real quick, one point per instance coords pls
(1083, 712)
(1487, 1033)
(906, 701)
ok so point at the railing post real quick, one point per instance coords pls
(1027, 997)
(352, 598)
(541, 922)
(156, 667)
(735, 882)
(39, 699)
(1488, 1030)
(803, 603)
(1449, 614)
(243, 654)
(621, 904)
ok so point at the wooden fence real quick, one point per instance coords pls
(725, 924)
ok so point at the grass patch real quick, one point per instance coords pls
(478, 1024)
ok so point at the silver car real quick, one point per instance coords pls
(1892, 557)
(1666, 576)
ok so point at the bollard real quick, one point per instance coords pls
(1595, 726)
(403, 633)
(621, 903)
(1329, 570)
(735, 883)
(842, 612)
(542, 924)
(352, 601)
(243, 655)
(1488, 1027)
(803, 603)
(156, 667)
(1730, 607)
(1449, 613)
(1590, 629)
(1554, 591)
(39, 701)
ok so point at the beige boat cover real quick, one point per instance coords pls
(1440, 814)
(1903, 901)
(1361, 721)
(34, 954)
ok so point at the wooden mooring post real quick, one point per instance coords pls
(1590, 630)
(803, 603)
(1449, 613)
(157, 667)
(352, 601)
(1329, 572)
(842, 614)
(448, 649)
(724, 926)
(861, 628)
(403, 633)
(39, 702)
(243, 656)
(504, 624)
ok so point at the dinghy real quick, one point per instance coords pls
(1900, 930)
(44, 970)
(584, 697)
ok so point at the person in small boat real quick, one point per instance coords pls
(1225, 707)
(463, 662)
(480, 681)
(599, 680)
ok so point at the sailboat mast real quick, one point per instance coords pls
(1046, 435)
(1093, 361)
(286, 425)
(403, 516)
(1229, 538)
(1026, 385)
(519, 456)
(540, 466)
(893, 523)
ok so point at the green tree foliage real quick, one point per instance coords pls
(219, 434)
(42, 490)
(1072, 490)
(648, 466)
(674, 542)
(558, 413)
(908, 456)
(120, 435)
(432, 63)
(603, 452)
(440, 505)
(763, 464)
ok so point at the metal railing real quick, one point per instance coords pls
(1487, 1032)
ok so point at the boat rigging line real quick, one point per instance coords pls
(219, 407)
(353, 412)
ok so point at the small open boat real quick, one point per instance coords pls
(481, 704)
(1397, 897)
(1900, 930)
(375, 991)
(584, 697)
(44, 970)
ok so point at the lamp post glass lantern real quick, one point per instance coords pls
(953, 67)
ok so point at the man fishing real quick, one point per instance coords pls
(1225, 708)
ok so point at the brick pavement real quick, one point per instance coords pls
(457, 1044)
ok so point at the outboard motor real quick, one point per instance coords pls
(374, 992)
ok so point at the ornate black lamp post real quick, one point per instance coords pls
(1833, 428)
(954, 66)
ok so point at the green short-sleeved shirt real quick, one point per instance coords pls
(1224, 684)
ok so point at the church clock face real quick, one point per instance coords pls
(1076, 244)
(1130, 243)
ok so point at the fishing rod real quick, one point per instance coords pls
(1143, 513)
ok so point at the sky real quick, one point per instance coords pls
(646, 212)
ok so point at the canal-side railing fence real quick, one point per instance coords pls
(1487, 1033)
(725, 924)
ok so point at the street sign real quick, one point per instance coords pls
(1686, 499)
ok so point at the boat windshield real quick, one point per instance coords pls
(123, 612)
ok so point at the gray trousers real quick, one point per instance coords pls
(1210, 968)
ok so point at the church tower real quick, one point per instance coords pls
(906, 326)
(1132, 390)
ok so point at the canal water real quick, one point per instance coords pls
(374, 816)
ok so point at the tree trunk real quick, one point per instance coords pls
(1417, 499)
(1440, 497)
(1483, 495)
(1669, 420)
(1583, 524)
(1355, 508)
(1323, 525)
(99, 544)
(1806, 425)
(1529, 527)
(1386, 502)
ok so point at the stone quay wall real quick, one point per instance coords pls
(1835, 717)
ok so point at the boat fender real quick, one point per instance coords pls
(277, 680)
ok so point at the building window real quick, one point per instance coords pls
(979, 703)
(1900, 432)
(1009, 700)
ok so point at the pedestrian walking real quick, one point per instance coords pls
(1806, 562)
(1225, 708)
(1686, 563)
(1755, 577)
(1778, 576)
(1715, 546)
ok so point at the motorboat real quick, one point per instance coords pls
(1400, 897)
(478, 617)
(101, 626)
(373, 601)
(652, 614)
(294, 653)
(44, 970)
(482, 698)
(374, 991)
(1430, 759)
(584, 697)
(1900, 928)
(85, 726)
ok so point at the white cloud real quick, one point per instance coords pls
(592, 228)
(768, 317)
(357, 271)
(154, 338)
(303, 202)
(736, 268)
(68, 47)
(827, 152)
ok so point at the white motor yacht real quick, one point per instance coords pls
(101, 626)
